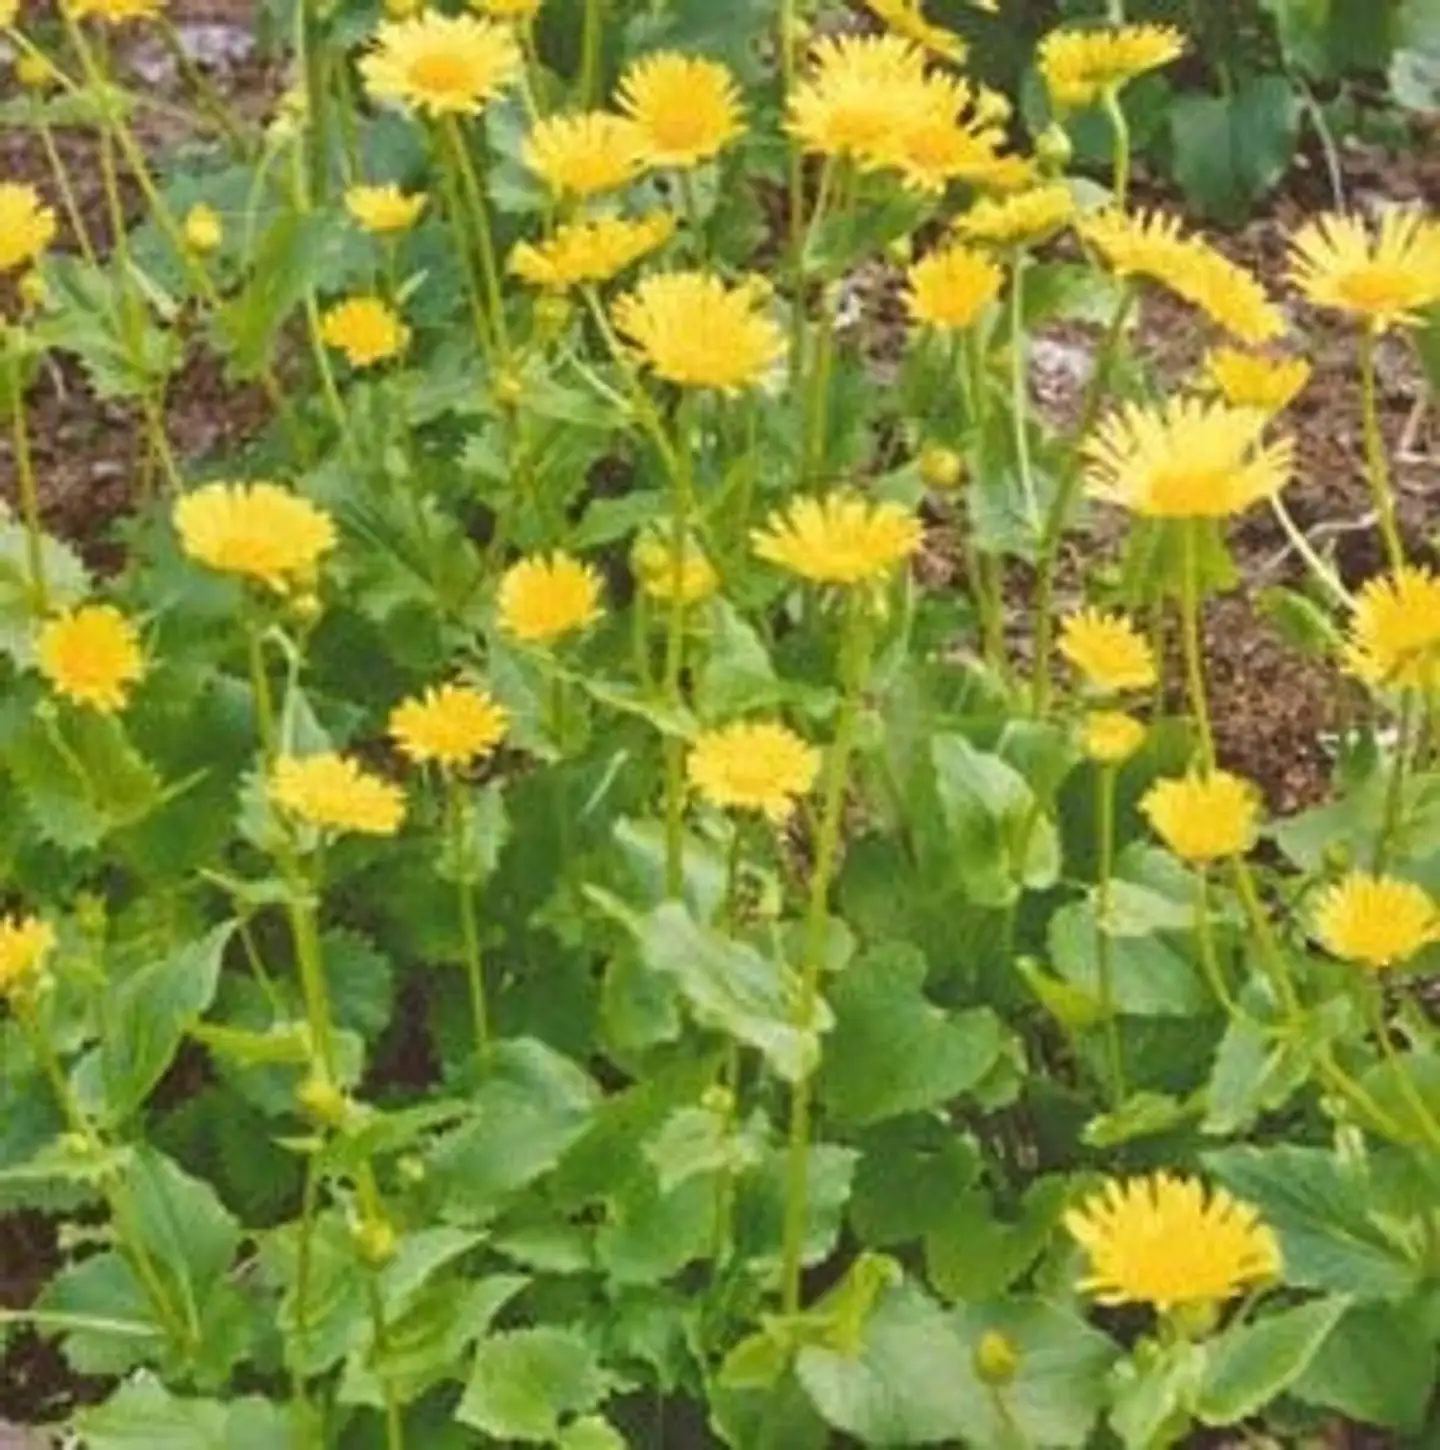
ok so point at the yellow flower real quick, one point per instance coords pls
(956, 138)
(333, 793)
(113, 12)
(1024, 219)
(203, 229)
(442, 65)
(24, 945)
(940, 468)
(1108, 650)
(1394, 638)
(26, 226)
(1185, 459)
(257, 530)
(1204, 818)
(654, 564)
(1079, 66)
(843, 539)
(452, 726)
(91, 655)
(1144, 244)
(585, 153)
(366, 330)
(950, 288)
(1164, 1241)
(34, 71)
(907, 18)
(695, 331)
(1226, 293)
(542, 599)
(685, 108)
(383, 209)
(583, 252)
(509, 9)
(1247, 380)
(753, 766)
(1376, 921)
(9, 9)
(1385, 280)
(1110, 737)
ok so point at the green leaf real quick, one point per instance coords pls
(1230, 151)
(487, 828)
(910, 1175)
(1396, 1083)
(700, 1141)
(651, 1235)
(974, 1254)
(737, 675)
(144, 1415)
(67, 582)
(592, 1433)
(523, 1382)
(115, 1326)
(1152, 974)
(361, 982)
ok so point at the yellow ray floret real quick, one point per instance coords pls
(907, 18)
(584, 153)
(1024, 219)
(1079, 66)
(113, 12)
(335, 794)
(1109, 652)
(1111, 737)
(843, 539)
(452, 726)
(91, 655)
(441, 65)
(1204, 817)
(383, 209)
(949, 289)
(753, 766)
(653, 560)
(257, 530)
(1376, 921)
(25, 943)
(545, 598)
(366, 329)
(686, 109)
(1385, 279)
(583, 253)
(1394, 638)
(27, 226)
(1253, 380)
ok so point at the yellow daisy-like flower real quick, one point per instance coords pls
(956, 137)
(508, 9)
(1135, 244)
(1204, 818)
(1166, 1242)
(753, 766)
(452, 726)
(1385, 280)
(1394, 640)
(383, 209)
(333, 793)
(113, 12)
(843, 539)
(441, 65)
(1079, 66)
(1024, 219)
(1376, 921)
(542, 599)
(950, 288)
(1226, 293)
(203, 229)
(256, 530)
(1109, 652)
(695, 331)
(1111, 737)
(654, 563)
(585, 153)
(25, 942)
(1186, 459)
(27, 226)
(585, 252)
(366, 329)
(907, 18)
(9, 9)
(91, 655)
(1250, 380)
(685, 108)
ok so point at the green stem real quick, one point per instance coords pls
(264, 701)
(796, 201)
(306, 932)
(1105, 828)
(211, 102)
(1395, 790)
(1377, 464)
(310, 57)
(1271, 955)
(61, 175)
(1190, 631)
(1424, 1119)
(480, 216)
(455, 210)
(1020, 391)
(683, 482)
(29, 490)
(1205, 941)
(469, 925)
(326, 374)
(1118, 124)
(590, 41)
(394, 1418)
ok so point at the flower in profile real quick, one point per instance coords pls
(1111, 737)
(844, 539)
(366, 329)
(1252, 380)
(753, 766)
(1079, 66)
(950, 288)
(27, 226)
(542, 599)
(508, 9)
(653, 560)
(695, 331)
(1376, 921)
(582, 253)
(955, 135)
(113, 12)
(25, 943)
(257, 530)
(1185, 459)
(1024, 219)
(33, 70)
(91, 655)
(1394, 640)
(441, 65)
(1385, 280)
(1204, 817)
(383, 209)
(452, 726)
(1135, 244)
(1109, 652)
(686, 109)
(203, 229)
(335, 794)
(907, 18)
(1166, 1242)
(584, 153)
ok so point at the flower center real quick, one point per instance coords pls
(1377, 288)
(440, 74)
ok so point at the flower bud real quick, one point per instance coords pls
(305, 606)
(997, 1359)
(718, 1100)
(203, 231)
(34, 72)
(411, 1168)
(1054, 148)
(33, 291)
(1195, 1319)
(552, 315)
(375, 1241)
(941, 468)
(323, 1101)
(1110, 737)
(509, 389)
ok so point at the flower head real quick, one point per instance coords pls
(1204, 818)
(685, 108)
(366, 330)
(113, 12)
(204, 230)
(1376, 921)
(695, 331)
(753, 766)
(1107, 649)
(1394, 640)
(91, 655)
(508, 9)
(907, 18)
(843, 539)
(584, 153)
(452, 726)
(334, 793)
(1251, 380)
(1079, 66)
(1185, 459)
(1024, 219)
(583, 252)
(1384, 280)
(27, 226)
(1135, 244)
(543, 599)
(1166, 1242)
(441, 65)
(25, 942)
(257, 530)
(1111, 737)
(949, 289)
(954, 133)
(383, 209)
(654, 564)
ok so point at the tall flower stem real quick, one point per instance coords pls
(1395, 789)
(394, 1415)
(61, 176)
(683, 488)
(1105, 832)
(1205, 942)
(1424, 1119)
(455, 211)
(1020, 391)
(1190, 634)
(1121, 129)
(305, 930)
(1271, 954)
(484, 236)
(1376, 462)
(590, 42)
(469, 924)
(28, 488)
(789, 36)
(211, 103)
